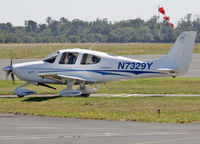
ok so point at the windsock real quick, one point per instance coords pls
(162, 11)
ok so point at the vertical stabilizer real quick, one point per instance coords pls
(179, 57)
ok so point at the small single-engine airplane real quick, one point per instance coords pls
(83, 67)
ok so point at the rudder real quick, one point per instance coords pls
(179, 57)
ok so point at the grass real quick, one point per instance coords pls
(33, 51)
(173, 109)
(139, 86)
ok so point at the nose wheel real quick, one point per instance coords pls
(20, 96)
(20, 92)
(85, 95)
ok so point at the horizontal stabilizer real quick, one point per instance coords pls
(172, 72)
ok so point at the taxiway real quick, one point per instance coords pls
(46, 130)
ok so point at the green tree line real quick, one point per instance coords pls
(101, 30)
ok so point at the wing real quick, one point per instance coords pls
(63, 77)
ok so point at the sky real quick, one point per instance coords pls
(17, 11)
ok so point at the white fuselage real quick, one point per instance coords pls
(110, 68)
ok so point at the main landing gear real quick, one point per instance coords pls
(82, 90)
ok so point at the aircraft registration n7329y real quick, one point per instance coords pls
(82, 67)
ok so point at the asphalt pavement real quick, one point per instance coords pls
(16, 129)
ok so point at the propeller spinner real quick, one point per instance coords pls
(9, 71)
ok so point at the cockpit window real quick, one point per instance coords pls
(90, 59)
(68, 58)
(51, 58)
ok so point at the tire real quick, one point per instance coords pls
(85, 95)
(20, 96)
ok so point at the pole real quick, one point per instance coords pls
(158, 23)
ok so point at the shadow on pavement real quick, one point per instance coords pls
(40, 99)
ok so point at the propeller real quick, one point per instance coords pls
(9, 71)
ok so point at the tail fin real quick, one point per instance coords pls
(179, 57)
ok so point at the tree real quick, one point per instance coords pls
(125, 34)
(2, 36)
(42, 27)
(186, 23)
(167, 32)
(63, 20)
(49, 20)
(55, 28)
(145, 34)
(102, 30)
(11, 38)
(28, 39)
(31, 26)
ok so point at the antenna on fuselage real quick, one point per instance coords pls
(93, 45)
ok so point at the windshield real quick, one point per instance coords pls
(51, 58)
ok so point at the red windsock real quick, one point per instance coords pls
(167, 18)
(162, 11)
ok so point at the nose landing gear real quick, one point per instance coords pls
(20, 92)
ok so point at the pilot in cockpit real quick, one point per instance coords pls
(94, 59)
(71, 58)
